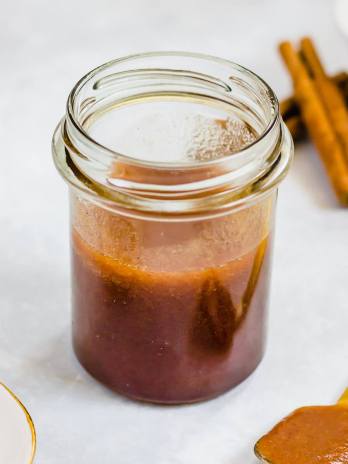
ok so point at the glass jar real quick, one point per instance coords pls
(173, 162)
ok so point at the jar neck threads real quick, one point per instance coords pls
(179, 187)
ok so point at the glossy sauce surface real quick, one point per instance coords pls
(310, 435)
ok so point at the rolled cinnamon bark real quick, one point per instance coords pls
(291, 112)
(318, 123)
(328, 93)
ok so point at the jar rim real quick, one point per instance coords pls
(72, 118)
(247, 174)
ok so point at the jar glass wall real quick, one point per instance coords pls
(173, 162)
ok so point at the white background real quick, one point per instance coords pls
(45, 47)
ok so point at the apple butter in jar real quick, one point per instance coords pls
(173, 162)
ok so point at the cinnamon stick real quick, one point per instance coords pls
(317, 122)
(291, 111)
(328, 92)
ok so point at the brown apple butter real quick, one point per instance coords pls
(310, 435)
(169, 336)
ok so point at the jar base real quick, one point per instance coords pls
(167, 402)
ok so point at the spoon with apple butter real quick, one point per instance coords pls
(310, 435)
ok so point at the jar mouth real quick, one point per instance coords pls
(74, 120)
(123, 181)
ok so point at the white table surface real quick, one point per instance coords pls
(44, 48)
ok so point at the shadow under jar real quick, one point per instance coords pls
(173, 162)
